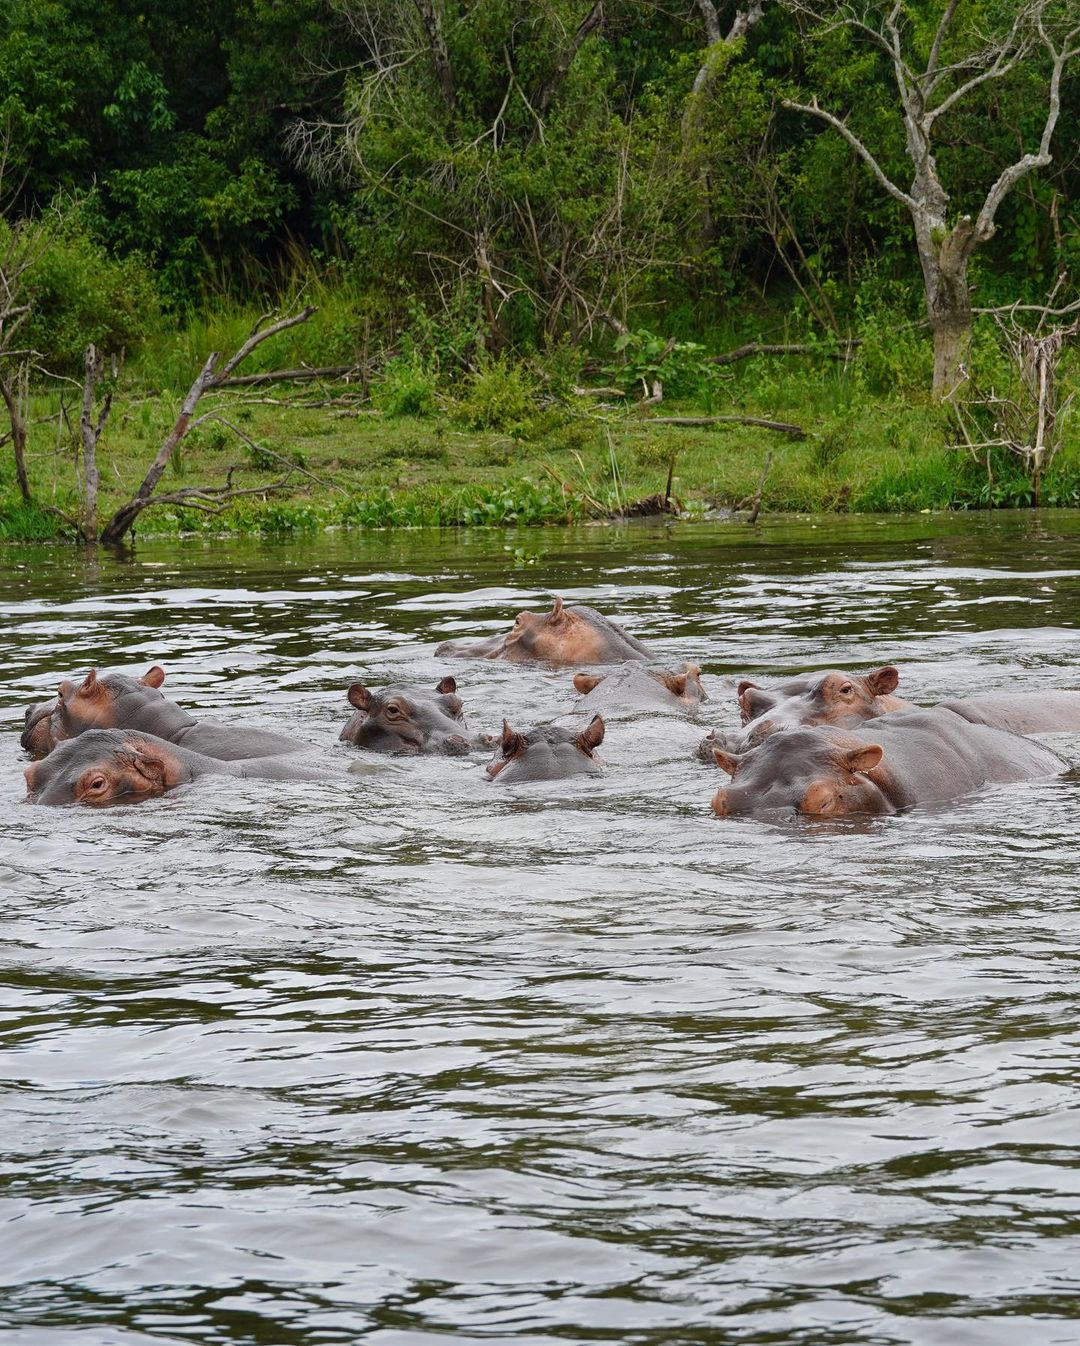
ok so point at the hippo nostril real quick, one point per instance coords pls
(455, 745)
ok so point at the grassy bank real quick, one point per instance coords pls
(512, 447)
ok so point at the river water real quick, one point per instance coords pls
(412, 1058)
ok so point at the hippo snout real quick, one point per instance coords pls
(455, 746)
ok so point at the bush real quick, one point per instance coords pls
(500, 396)
(82, 295)
(407, 388)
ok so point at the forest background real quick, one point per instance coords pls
(565, 259)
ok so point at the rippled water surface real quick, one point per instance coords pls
(413, 1058)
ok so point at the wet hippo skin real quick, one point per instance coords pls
(109, 766)
(577, 635)
(548, 752)
(116, 701)
(899, 760)
(643, 686)
(411, 720)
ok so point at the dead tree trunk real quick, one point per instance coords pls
(12, 388)
(440, 57)
(209, 378)
(90, 432)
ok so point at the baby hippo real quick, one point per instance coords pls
(547, 752)
(404, 719)
(111, 766)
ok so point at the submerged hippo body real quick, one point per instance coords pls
(642, 686)
(903, 759)
(564, 635)
(548, 752)
(115, 701)
(1022, 712)
(402, 719)
(110, 766)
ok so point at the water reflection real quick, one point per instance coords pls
(411, 1058)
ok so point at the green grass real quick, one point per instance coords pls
(874, 443)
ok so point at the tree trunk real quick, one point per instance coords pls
(9, 391)
(94, 364)
(944, 255)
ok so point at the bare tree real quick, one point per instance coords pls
(209, 378)
(1027, 413)
(21, 245)
(929, 87)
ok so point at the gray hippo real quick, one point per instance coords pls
(640, 686)
(548, 752)
(902, 759)
(109, 766)
(411, 720)
(577, 635)
(116, 701)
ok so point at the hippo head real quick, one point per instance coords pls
(38, 737)
(104, 766)
(102, 702)
(577, 635)
(547, 752)
(832, 697)
(681, 690)
(807, 771)
(398, 719)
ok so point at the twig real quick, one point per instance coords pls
(782, 427)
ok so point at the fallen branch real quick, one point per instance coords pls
(754, 501)
(286, 376)
(278, 457)
(764, 348)
(782, 427)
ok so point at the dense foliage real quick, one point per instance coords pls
(514, 170)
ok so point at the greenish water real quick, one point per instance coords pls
(410, 1058)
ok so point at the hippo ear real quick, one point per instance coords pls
(89, 684)
(511, 743)
(153, 677)
(727, 761)
(360, 697)
(446, 685)
(674, 682)
(864, 759)
(555, 615)
(585, 682)
(591, 736)
(883, 680)
(744, 686)
(145, 761)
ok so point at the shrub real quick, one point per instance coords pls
(407, 388)
(499, 396)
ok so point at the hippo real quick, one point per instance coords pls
(402, 719)
(548, 752)
(643, 686)
(831, 697)
(109, 766)
(116, 701)
(905, 758)
(577, 635)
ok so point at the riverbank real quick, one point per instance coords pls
(313, 464)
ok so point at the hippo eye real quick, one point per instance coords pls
(393, 713)
(98, 783)
(847, 689)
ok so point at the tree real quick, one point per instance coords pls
(935, 68)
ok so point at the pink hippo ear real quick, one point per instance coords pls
(744, 686)
(153, 677)
(883, 680)
(591, 736)
(360, 697)
(512, 742)
(446, 685)
(88, 687)
(864, 759)
(674, 682)
(585, 682)
(727, 761)
(555, 615)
